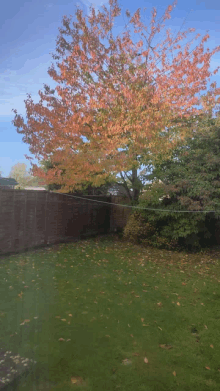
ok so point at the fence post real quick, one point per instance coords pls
(46, 232)
(25, 216)
(13, 224)
(35, 218)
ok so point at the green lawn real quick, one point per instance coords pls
(103, 314)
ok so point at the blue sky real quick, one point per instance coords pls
(28, 32)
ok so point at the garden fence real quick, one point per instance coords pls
(31, 218)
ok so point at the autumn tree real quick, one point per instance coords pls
(87, 189)
(121, 185)
(117, 97)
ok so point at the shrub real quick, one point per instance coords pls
(190, 181)
(137, 229)
(140, 231)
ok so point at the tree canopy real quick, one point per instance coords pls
(118, 98)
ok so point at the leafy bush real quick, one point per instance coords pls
(137, 229)
(190, 182)
(140, 231)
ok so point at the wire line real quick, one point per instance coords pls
(138, 207)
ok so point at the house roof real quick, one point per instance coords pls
(118, 189)
(8, 182)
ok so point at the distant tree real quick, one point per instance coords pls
(23, 177)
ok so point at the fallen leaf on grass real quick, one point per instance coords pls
(160, 328)
(211, 346)
(61, 339)
(205, 326)
(131, 335)
(76, 380)
(178, 303)
(207, 368)
(126, 362)
(165, 346)
(146, 360)
(70, 315)
(25, 321)
(142, 319)
(183, 283)
(159, 304)
(64, 320)
(174, 373)
(57, 316)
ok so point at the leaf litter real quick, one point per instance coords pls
(126, 361)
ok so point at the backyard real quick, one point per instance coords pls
(104, 314)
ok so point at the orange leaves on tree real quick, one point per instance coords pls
(115, 107)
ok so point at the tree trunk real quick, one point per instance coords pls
(136, 185)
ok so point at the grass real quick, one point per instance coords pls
(103, 314)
